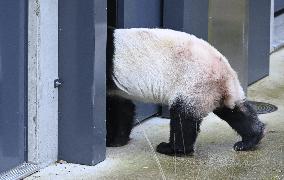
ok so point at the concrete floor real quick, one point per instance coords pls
(214, 157)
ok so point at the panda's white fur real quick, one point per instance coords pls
(159, 65)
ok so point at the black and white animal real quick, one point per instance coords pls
(179, 70)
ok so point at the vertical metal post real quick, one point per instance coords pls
(82, 43)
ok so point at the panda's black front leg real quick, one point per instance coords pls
(184, 128)
(243, 119)
(120, 115)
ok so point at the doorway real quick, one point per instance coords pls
(137, 14)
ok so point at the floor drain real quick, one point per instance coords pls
(262, 107)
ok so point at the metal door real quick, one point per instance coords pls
(13, 42)
(137, 13)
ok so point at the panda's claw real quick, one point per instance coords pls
(244, 146)
(239, 146)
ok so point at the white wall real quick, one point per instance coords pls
(42, 71)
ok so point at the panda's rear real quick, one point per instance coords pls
(155, 65)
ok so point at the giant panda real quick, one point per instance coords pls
(177, 69)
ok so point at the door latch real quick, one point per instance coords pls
(57, 83)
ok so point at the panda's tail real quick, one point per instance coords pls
(234, 93)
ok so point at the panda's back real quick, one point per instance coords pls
(154, 64)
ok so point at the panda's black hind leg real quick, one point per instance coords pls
(243, 119)
(184, 128)
(120, 115)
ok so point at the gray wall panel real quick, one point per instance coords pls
(173, 14)
(82, 42)
(190, 16)
(196, 18)
(13, 34)
(139, 13)
(259, 40)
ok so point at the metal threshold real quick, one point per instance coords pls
(19, 172)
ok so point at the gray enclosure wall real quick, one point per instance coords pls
(258, 40)
(13, 57)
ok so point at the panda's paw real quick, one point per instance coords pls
(117, 142)
(166, 148)
(249, 143)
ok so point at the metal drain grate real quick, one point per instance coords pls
(262, 107)
(19, 172)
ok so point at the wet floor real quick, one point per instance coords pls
(214, 157)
